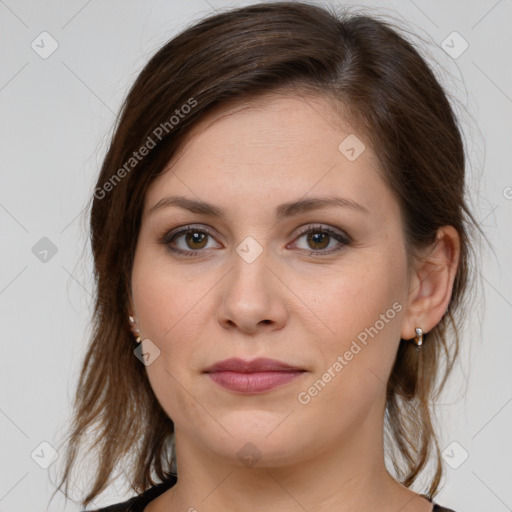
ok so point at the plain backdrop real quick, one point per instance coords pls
(57, 112)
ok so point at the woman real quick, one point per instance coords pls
(278, 223)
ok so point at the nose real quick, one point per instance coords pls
(253, 297)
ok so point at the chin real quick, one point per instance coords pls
(266, 445)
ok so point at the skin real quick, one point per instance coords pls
(302, 309)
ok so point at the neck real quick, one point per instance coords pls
(348, 475)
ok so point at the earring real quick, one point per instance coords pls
(418, 339)
(135, 330)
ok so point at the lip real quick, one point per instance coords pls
(260, 364)
(256, 376)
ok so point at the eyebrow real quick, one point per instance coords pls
(283, 210)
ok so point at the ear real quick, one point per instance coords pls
(431, 283)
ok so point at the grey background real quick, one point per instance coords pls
(57, 114)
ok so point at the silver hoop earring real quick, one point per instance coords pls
(135, 330)
(418, 339)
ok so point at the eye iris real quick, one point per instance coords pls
(194, 236)
(318, 237)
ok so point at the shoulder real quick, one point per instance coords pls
(138, 503)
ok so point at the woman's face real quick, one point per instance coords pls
(330, 303)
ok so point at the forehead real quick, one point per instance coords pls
(288, 124)
(271, 147)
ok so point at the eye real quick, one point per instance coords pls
(191, 240)
(319, 238)
(187, 240)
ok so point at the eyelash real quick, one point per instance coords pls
(168, 237)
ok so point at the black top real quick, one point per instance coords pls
(138, 503)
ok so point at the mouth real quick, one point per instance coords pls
(256, 376)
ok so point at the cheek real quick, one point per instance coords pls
(171, 314)
(164, 321)
(165, 298)
(354, 298)
(171, 391)
(361, 308)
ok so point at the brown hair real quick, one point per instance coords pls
(375, 75)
